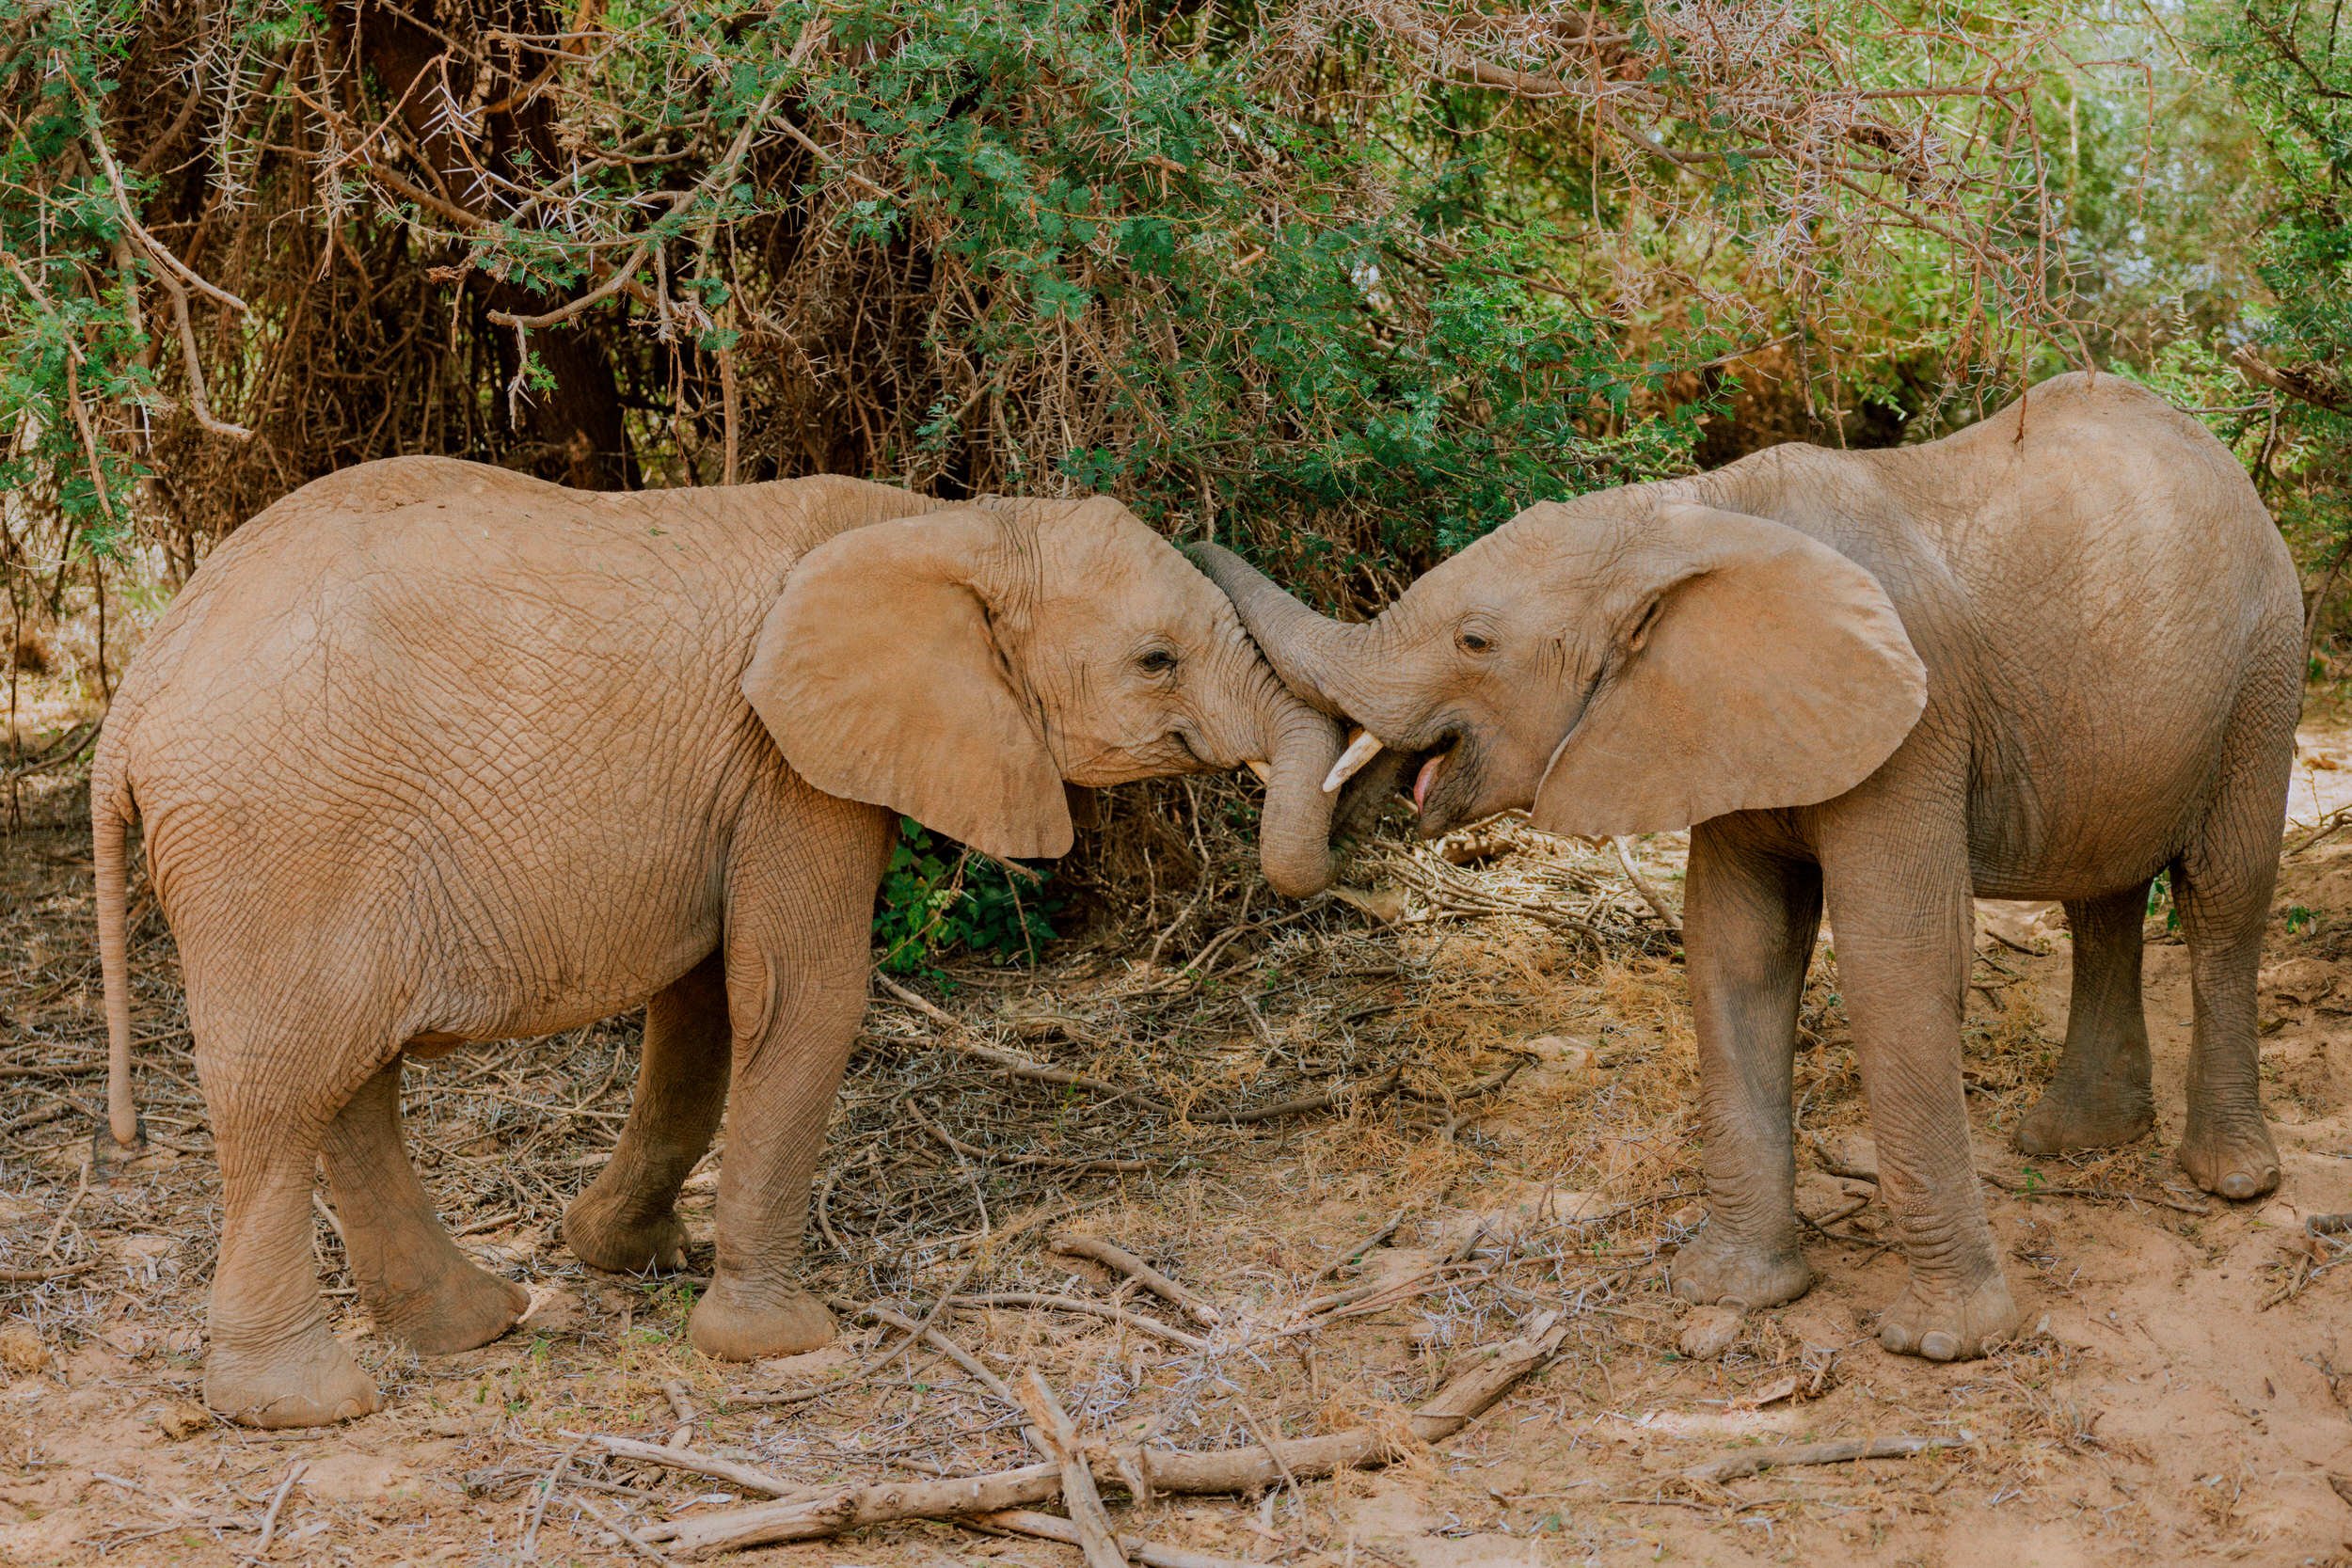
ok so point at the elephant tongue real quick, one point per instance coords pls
(1423, 780)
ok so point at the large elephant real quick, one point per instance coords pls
(430, 753)
(2045, 658)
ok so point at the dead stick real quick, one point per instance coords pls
(277, 1501)
(1342, 1258)
(1091, 1309)
(848, 1506)
(1050, 1527)
(1650, 895)
(1087, 1516)
(745, 1476)
(1111, 1255)
(1347, 1094)
(529, 1551)
(1012, 1062)
(1781, 1456)
(620, 1532)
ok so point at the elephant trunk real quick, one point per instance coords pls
(1295, 831)
(1314, 655)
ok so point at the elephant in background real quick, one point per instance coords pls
(2047, 657)
(430, 753)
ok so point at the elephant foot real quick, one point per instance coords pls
(2234, 1160)
(461, 1308)
(1949, 1322)
(733, 1322)
(603, 1235)
(1715, 1266)
(312, 1382)
(2063, 1121)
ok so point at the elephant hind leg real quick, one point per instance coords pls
(270, 1361)
(418, 1287)
(2101, 1095)
(626, 1220)
(2222, 882)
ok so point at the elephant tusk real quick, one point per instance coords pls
(1265, 774)
(1361, 748)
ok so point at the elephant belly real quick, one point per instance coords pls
(2089, 819)
(411, 930)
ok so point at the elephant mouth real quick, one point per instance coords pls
(1433, 778)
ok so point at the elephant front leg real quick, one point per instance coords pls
(797, 954)
(627, 1221)
(1749, 923)
(1899, 902)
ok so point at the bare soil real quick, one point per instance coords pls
(1520, 1091)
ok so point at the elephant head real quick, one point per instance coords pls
(1623, 663)
(958, 666)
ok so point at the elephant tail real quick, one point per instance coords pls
(111, 813)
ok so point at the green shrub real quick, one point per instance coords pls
(938, 898)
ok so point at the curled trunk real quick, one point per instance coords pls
(1294, 832)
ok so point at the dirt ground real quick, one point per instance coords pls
(1514, 1091)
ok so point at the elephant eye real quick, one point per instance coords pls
(1157, 661)
(1472, 641)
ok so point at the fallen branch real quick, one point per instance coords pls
(1049, 1527)
(1781, 1456)
(1008, 1061)
(1112, 1256)
(1649, 890)
(1051, 1428)
(1042, 1162)
(844, 1508)
(1091, 1309)
(1347, 1094)
(745, 1476)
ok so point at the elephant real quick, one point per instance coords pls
(430, 753)
(2049, 655)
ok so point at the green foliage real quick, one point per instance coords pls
(2291, 79)
(69, 322)
(936, 899)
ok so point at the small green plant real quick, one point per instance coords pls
(2300, 919)
(2160, 899)
(938, 897)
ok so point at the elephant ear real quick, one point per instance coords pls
(879, 673)
(1755, 668)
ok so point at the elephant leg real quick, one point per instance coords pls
(418, 1287)
(797, 954)
(1897, 885)
(270, 1361)
(627, 1221)
(1749, 921)
(2222, 883)
(2101, 1095)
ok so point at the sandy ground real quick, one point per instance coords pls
(2181, 1395)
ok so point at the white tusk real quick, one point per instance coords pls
(1265, 773)
(1361, 748)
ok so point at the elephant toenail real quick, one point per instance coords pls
(1939, 1345)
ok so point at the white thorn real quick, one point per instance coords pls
(1361, 748)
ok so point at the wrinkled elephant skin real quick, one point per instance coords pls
(2047, 657)
(431, 752)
